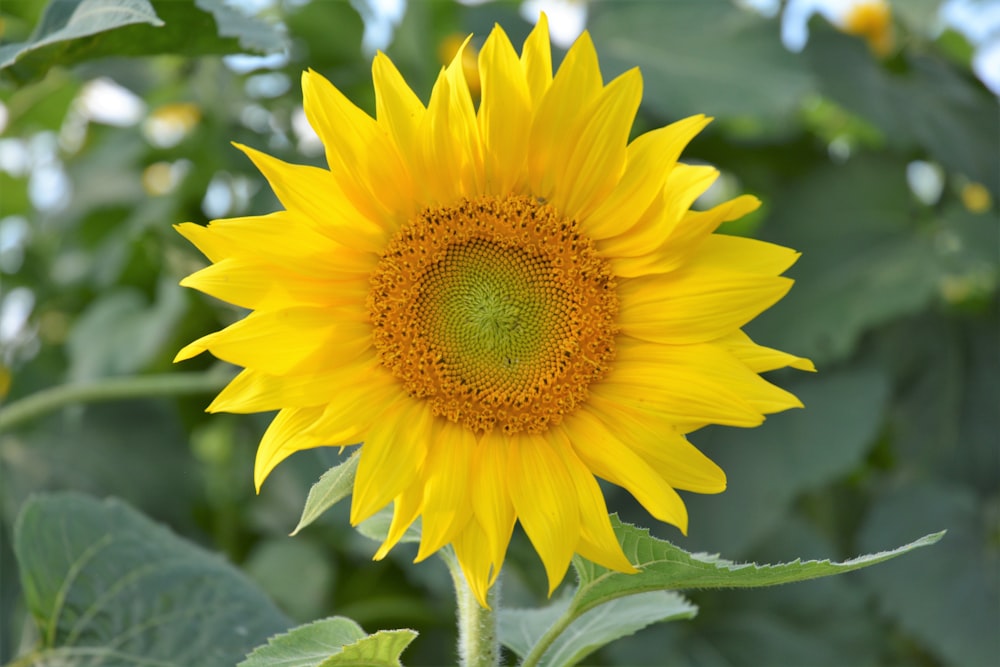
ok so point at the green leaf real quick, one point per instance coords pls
(928, 103)
(66, 20)
(135, 450)
(870, 254)
(667, 567)
(701, 57)
(946, 597)
(306, 645)
(252, 33)
(791, 453)
(520, 629)
(108, 586)
(381, 649)
(333, 486)
(119, 334)
(296, 573)
(72, 31)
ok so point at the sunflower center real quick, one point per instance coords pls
(496, 311)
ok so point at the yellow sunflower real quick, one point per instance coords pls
(501, 304)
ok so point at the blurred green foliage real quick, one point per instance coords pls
(895, 300)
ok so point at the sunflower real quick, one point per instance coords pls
(501, 303)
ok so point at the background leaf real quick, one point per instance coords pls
(72, 19)
(700, 57)
(106, 585)
(955, 603)
(770, 466)
(72, 31)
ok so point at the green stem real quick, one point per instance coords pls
(477, 627)
(110, 389)
(546, 640)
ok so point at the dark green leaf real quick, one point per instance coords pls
(793, 452)
(252, 33)
(66, 20)
(132, 449)
(162, 27)
(296, 573)
(706, 57)
(107, 586)
(947, 596)
(870, 254)
(306, 645)
(120, 334)
(929, 104)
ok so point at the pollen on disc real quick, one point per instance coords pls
(496, 311)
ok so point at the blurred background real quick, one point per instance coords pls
(868, 129)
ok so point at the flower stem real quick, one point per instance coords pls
(477, 626)
(109, 389)
(547, 639)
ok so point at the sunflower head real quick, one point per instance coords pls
(501, 302)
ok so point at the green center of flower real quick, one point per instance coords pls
(496, 311)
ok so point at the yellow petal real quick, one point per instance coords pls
(282, 439)
(289, 241)
(536, 58)
(253, 284)
(449, 150)
(406, 508)
(474, 558)
(275, 341)
(356, 410)
(254, 391)
(735, 253)
(761, 359)
(210, 245)
(391, 456)
(598, 542)
(558, 116)
(545, 499)
(446, 505)
(684, 185)
(396, 106)
(697, 305)
(684, 239)
(705, 374)
(313, 193)
(610, 458)
(490, 496)
(360, 153)
(654, 438)
(595, 158)
(504, 115)
(650, 159)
